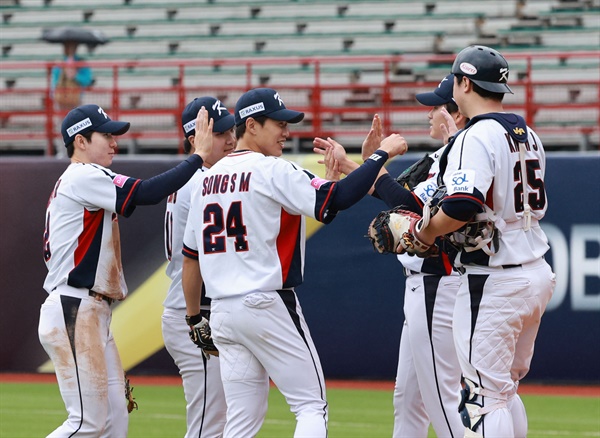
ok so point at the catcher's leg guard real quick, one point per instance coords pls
(471, 407)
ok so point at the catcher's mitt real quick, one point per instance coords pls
(200, 334)
(394, 231)
(131, 403)
(416, 173)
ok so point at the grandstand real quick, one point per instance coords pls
(339, 61)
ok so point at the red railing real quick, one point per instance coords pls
(328, 105)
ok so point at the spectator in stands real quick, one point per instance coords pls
(67, 82)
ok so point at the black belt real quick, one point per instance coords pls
(100, 297)
(461, 269)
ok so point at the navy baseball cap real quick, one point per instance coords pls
(264, 102)
(223, 119)
(88, 118)
(441, 95)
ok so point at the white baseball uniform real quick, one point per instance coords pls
(82, 253)
(503, 294)
(248, 231)
(428, 375)
(202, 387)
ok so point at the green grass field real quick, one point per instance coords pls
(35, 409)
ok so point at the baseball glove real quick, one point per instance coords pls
(131, 403)
(416, 173)
(394, 231)
(200, 334)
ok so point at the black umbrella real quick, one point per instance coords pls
(91, 37)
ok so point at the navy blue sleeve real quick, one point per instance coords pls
(463, 206)
(393, 194)
(355, 186)
(155, 189)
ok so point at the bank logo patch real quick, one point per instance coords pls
(462, 181)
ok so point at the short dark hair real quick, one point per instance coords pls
(498, 97)
(71, 146)
(240, 130)
(451, 107)
(187, 146)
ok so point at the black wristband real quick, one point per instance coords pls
(193, 320)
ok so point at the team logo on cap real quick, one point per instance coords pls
(467, 68)
(252, 109)
(504, 74)
(101, 111)
(79, 126)
(276, 96)
(441, 82)
(217, 106)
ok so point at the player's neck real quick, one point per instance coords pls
(485, 106)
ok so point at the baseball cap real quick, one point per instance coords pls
(484, 66)
(441, 95)
(264, 102)
(223, 119)
(88, 118)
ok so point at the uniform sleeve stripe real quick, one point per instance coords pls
(128, 199)
(190, 253)
(326, 203)
(417, 199)
(462, 196)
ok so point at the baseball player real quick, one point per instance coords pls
(428, 375)
(249, 235)
(493, 172)
(85, 277)
(202, 385)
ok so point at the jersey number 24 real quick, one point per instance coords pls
(220, 225)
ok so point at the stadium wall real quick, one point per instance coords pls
(352, 297)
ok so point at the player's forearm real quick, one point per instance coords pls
(393, 194)
(152, 191)
(191, 280)
(355, 186)
(439, 225)
(348, 166)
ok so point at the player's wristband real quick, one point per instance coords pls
(193, 320)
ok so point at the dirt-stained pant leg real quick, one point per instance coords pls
(118, 417)
(74, 331)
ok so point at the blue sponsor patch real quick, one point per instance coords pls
(461, 181)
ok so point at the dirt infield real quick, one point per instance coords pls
(524, 388)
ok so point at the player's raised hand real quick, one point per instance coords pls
(203, 140)
(373, 139)
(394, 144)
(332, 166)
(448, 128)
(338, 154)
